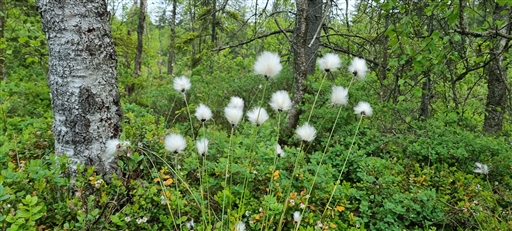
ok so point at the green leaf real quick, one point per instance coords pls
(401, 98)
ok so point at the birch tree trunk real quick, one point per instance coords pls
(300, 68)
(82, 78)
(497, 72)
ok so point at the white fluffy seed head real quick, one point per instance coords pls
(268, 64)
(112, 147)
(280, 101)
(358, 68)
(202, 146)
(175, 143)
(279, 151)
(481, 168)
(240, 226)
(363, 109)
(234, 115)
(339, 96)
(330, 62)
(257, 116)
(236, 102)
(182, 84)
(296, 216)
(203, 113)
(306, 132)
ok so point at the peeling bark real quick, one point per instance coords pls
(82, 78)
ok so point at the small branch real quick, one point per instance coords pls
(255, 38)
(282, 30)
(349, 53)
(489, 33)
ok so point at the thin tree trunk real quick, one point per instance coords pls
(140, 34)
(214, 23)
(300, 68)
(82, 78)
(2, 29)
(496, 96)
(172, 44)
(315, 14)
(426, 95)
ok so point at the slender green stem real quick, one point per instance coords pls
(344, 164)
(164, 189)
(300, 156)
(351, 81)
(172, 106)
(226, 175)
(272, 170)
(189, 116)
(316, 96)
(310, 192)
(176, 184)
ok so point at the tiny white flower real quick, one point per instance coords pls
(306, 132)
(292, 202)
(234, 115)
(268, 64)
(481, 168)
(339, 96)
(319, 224)
(202, 146)
(281, 101)
(97, 184)
(175, 143)
(296, 216)
(240, 226)
(139, 220)
(302, 206)
(279, 150)
(257, 116)
(203, 113)
(358, 68)
(163, 200)
(182, 84)
(363, 109)
(127, 219)
(144, 219)
(236, 102)
(247, 213)
(329, 62)
(190, 224)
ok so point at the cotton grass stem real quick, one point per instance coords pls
(189, 115)
(310, 192)
(344, 164)
(300, 156)
(226, 178)
(316, 96)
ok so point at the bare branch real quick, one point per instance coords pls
(489, 33)
(281, 28)
(253, 39)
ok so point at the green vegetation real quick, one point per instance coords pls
(400, 171)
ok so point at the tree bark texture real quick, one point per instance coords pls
(82, 78)
(172, 46)
(300, 70)
(140, 34)
(315, 14)
(497, 72)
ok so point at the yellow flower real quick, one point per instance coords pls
(276, 174)
(168, 181)
(340, 208)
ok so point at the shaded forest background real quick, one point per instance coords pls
(439, 84)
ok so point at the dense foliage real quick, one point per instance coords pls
(399, 170)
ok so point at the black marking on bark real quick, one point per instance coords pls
(87, 101)
(90, 30)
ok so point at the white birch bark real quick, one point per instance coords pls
(82, 78)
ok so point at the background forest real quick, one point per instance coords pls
(438, 81)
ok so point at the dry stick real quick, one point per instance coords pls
(343, 168)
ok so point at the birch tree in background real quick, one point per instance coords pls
(82, 78)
